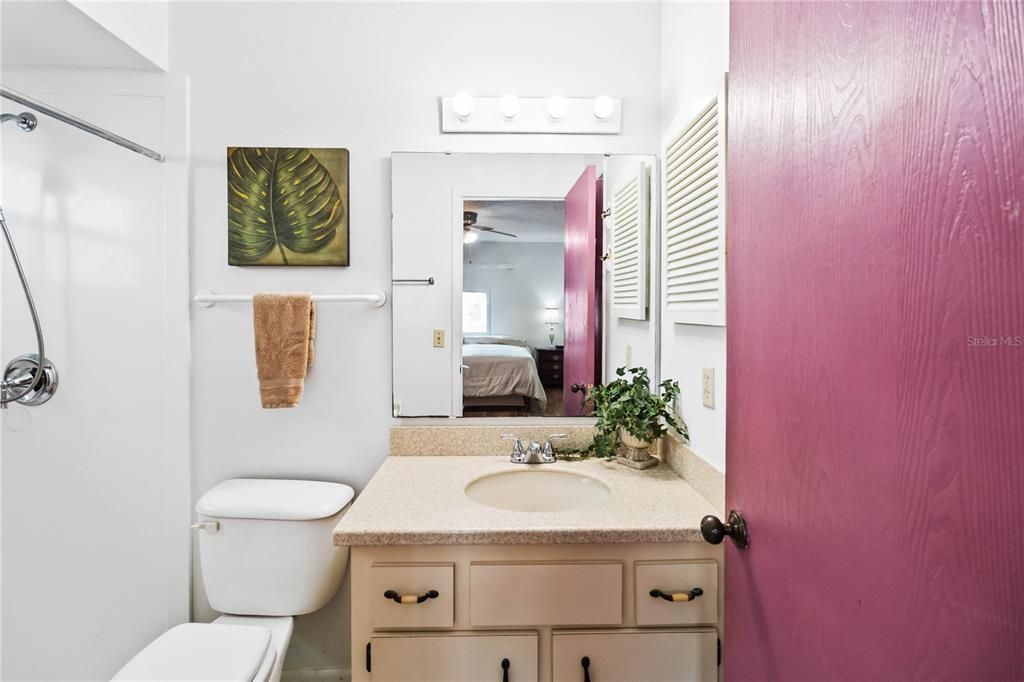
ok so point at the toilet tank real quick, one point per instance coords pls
(271, 552)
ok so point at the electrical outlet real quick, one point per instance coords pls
(629, 355)
(707, 387)
(438, 338)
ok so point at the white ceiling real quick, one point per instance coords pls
(533, 220)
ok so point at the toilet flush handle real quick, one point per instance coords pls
(208, 526)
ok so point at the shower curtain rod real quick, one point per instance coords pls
(72, 120)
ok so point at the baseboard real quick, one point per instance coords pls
(316, 675)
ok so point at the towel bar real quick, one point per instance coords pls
(377, 297)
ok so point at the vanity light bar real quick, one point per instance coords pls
(465, 113)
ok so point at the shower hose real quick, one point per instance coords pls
(21, 385)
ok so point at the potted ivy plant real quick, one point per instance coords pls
(629, 414)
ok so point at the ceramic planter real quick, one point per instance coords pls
(635, 452)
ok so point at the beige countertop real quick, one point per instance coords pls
(421, 501)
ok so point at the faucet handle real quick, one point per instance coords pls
(518, 453)
(549, 449)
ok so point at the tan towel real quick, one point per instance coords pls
(285, 328)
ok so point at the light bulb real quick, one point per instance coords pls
(509, 106)
(463, 105)
(558, 106)
(604, 106)
(469, 236)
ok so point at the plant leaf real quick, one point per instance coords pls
(279, 197)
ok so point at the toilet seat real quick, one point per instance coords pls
(200, 651)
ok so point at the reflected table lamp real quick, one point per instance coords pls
(551, 318)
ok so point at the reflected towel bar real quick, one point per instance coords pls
(377, 297)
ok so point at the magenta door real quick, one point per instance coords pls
(876, 341)
(582, 289)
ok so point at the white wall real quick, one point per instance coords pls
(366, 77)
(139, 24)
(85, 34)
(518, 296)
(95, 483)
(694, 54)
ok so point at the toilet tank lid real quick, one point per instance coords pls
(282, 500)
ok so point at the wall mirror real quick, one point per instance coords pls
(519, 280)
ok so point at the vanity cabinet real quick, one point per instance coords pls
(460, 612)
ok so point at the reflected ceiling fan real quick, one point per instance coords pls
(469, 224)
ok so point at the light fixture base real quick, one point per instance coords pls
(533, 115)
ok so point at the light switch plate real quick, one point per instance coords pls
(629, 355)
(438, 338)
(707, 387)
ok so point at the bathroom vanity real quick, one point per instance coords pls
(469, 568)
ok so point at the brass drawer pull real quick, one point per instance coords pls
(410, 598)
(678, 596)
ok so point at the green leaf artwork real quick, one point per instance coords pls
(287, 206)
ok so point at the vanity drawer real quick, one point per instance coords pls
(652, 656)
(676, 577)
(557, 593)
(425, 595)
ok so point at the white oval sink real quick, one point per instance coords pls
(538, 490)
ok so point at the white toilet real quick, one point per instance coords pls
(267, 556)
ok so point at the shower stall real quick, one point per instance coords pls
(94, 449)
(31, 378)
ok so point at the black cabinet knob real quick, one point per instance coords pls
(714, 531)
(585, 663)
(505, 665)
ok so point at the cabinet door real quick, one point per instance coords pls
(651, 656)
(454, 657)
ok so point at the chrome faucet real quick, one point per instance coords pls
(534, 453)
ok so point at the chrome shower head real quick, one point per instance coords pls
(26, 121)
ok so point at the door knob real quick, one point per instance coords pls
(576, 388)
(714, 531)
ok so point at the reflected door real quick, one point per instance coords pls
(582, 351)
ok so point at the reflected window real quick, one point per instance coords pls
(474, 312)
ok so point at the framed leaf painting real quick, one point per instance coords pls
(287, 206)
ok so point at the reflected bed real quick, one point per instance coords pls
(500, 371)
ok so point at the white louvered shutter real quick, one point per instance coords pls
(693, 244)
(630, 226)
